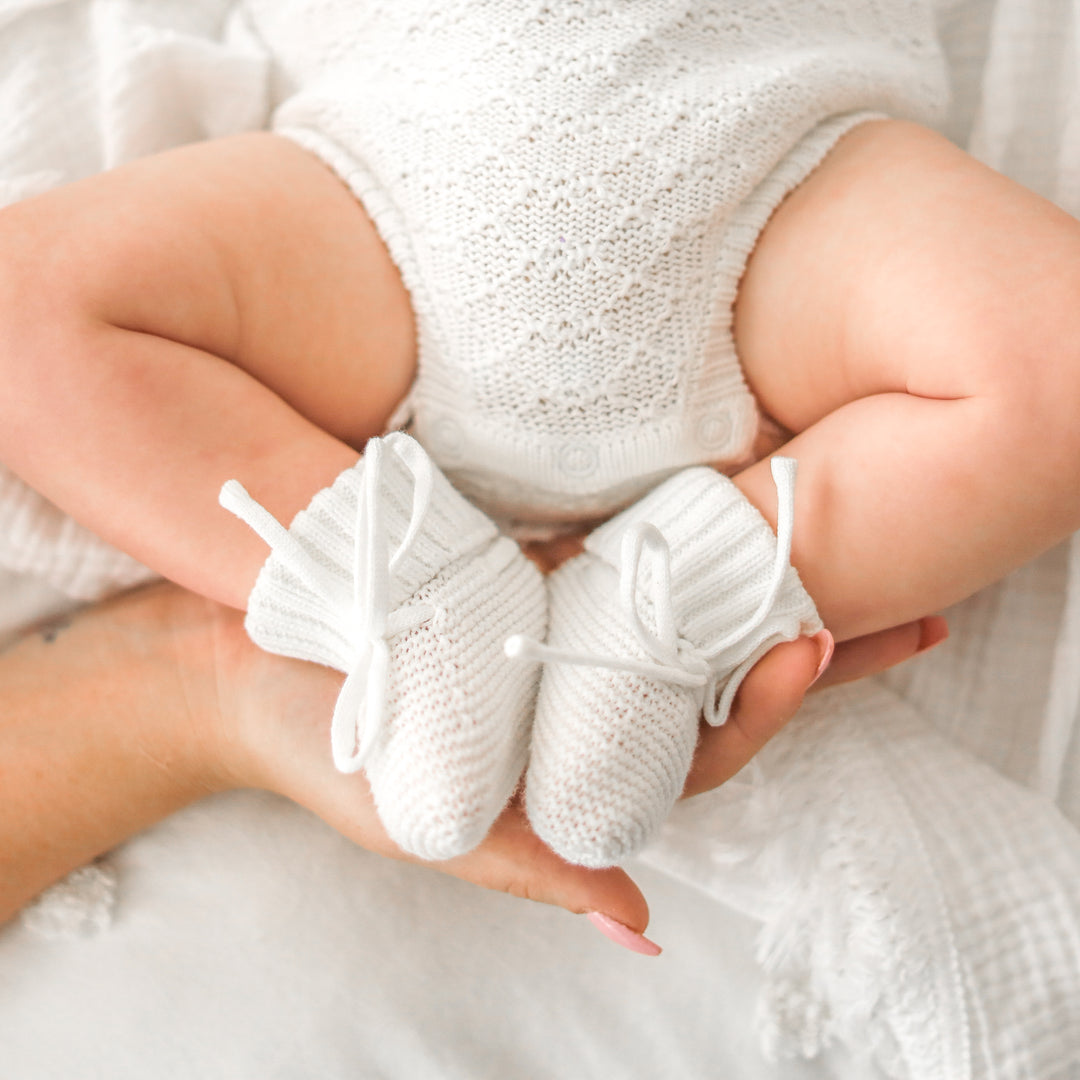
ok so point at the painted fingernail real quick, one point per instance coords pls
(827, 645)
(933, 631)
(623, 935)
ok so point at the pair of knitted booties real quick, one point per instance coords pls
(456, 685)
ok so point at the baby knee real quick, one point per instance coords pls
(50, 269)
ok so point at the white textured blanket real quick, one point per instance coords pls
(910, 846)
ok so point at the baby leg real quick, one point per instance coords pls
(228, 313)
(898, 315)
(224, 309)
(912, 316)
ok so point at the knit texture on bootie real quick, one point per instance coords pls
(393, 578)
(639, 646)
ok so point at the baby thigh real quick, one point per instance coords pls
(913, 317)
(221, 310)
(247, 249)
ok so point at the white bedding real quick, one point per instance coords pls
(907, 853)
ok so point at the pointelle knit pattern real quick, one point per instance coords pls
(571, 189)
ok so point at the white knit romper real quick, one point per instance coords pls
(571, 189)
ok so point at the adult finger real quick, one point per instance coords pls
(875, 653)
(510, 859)
(769, 696)
(513, 860)
(773, 691)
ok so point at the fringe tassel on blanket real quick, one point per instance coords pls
(917, 908)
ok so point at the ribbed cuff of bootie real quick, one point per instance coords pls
(723, 558)
(305, 600)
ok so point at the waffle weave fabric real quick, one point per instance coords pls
(571, 189)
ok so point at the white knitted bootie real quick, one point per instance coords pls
(639, 648)
(392, 577)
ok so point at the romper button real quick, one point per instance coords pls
(578, 459)
(714, 430)
(446, 440)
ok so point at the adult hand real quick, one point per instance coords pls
(156, 699)
(269, 724)
(295, 762)
(774, 689)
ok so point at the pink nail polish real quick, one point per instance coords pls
(827, 645)
(623, 935)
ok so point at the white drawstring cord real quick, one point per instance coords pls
(674, 659)
(668, 664)
(360, 711)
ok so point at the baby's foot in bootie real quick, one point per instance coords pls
(393, 578)
(639, 647)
